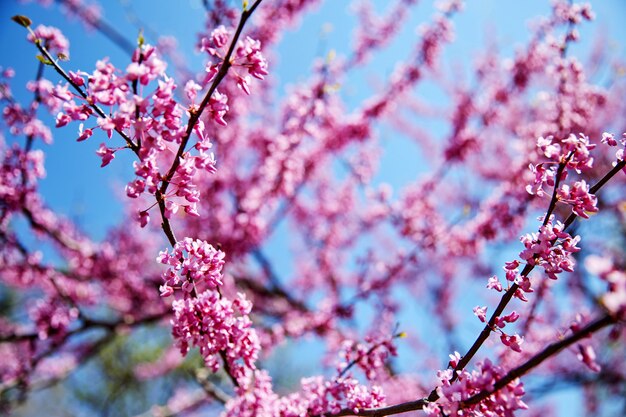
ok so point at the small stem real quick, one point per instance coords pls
(364, 355)
(135, 85)
(484, 335)
(540, 357)
(37, 99)
(227, 369)
(80, 91)
(195, 116)
(193, 119)
(554, 199)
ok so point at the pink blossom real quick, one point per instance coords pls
(135, 188)
(513, 342)
(550, 148)
(587, 355)
(62, 120)
(107, 154)
(304, 165)
(543, 177)
(579, 198)
(77, 77)
(481, 313)
(216, 41)
(193, 260)
(52, 39)
(554, 258)
(218, 107)
(454, 359)
(501, 403)
(509, 318)
(215, 324)
(191, 90)
(579, 147)
(146, 66)
(609, 139)
(107, 125)
(143, 218)
(371, 358)
(494, 283)
(52, 318)
(248, 53)
(83, 134)
(36, 129)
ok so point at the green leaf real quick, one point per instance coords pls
(43, 60)
(140, 39)
(22, 20)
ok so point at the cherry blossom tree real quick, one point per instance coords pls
(488, 281)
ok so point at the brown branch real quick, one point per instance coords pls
(540, 357)
(193, 119)
(82, 93)
(87, 324)
(521, 370)
(215, 392)
(485, 333)
(57, 236)
(228, 369)
(527, 269)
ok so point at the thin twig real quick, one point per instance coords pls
(193, 119)
(82, 93)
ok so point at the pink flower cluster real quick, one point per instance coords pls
(434, 36)
(574, 152)
(370, 357)
(501, 403)
(551, 248)
(609, 139)
(319, 397)
(256, 399)
(513, 342)
(579, 148)
(50, 95)
(376, 32)
(511, 272)
(22, 122)
(316, 397)
(154, 123)
(572, 13)
(542, 176)
(217, 326)
(52, 318)
(19, 171)
(587, 355)
(52, 38)
(355, 250)
(247, 55)
(192, 262)
(579, 198)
